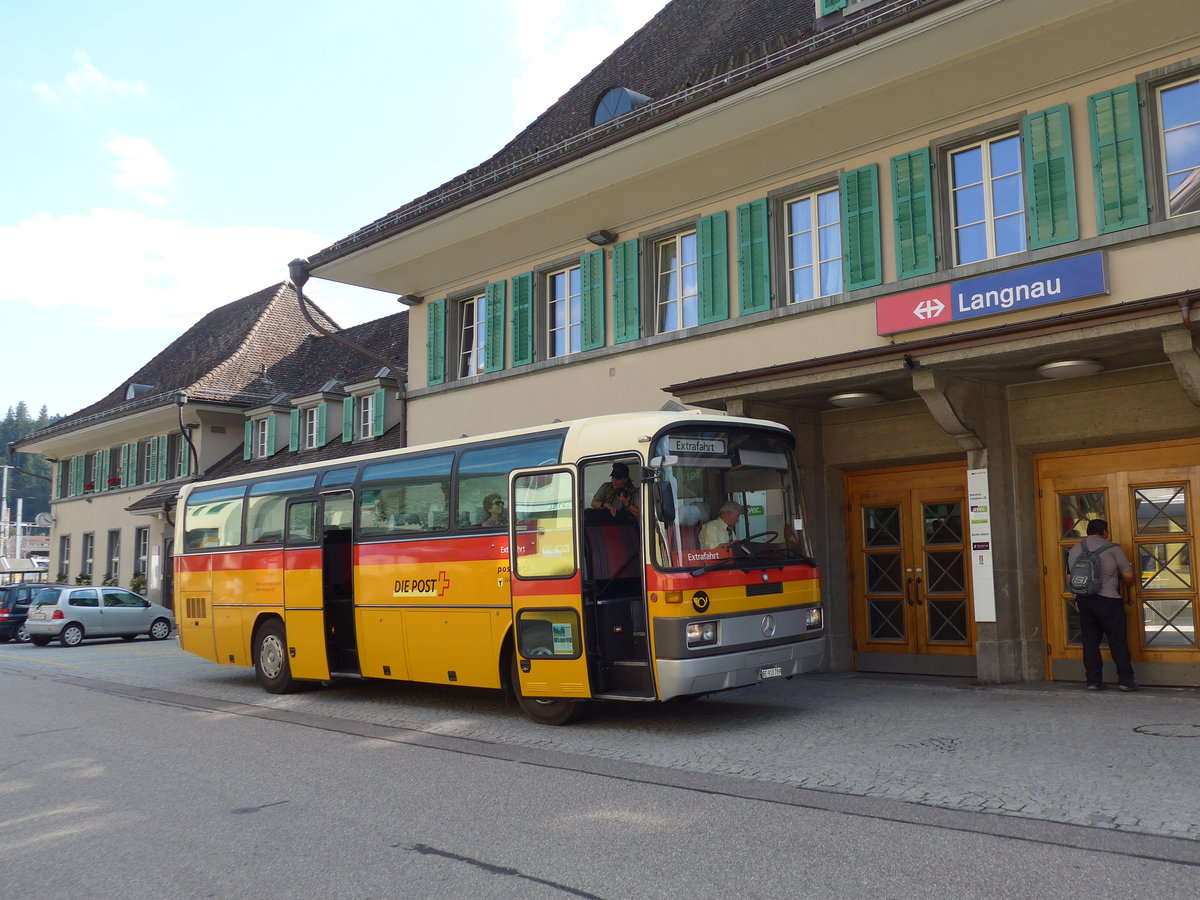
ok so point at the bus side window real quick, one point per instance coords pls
(302, 522)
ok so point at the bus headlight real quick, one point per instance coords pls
(813, 618)
(701, 634)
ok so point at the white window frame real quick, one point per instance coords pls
(989, 182)
(87, 564)
(114, 554)
(364, 409)
(674, 297)
(261, 433)
(141, 540)
(309, 419)
(1163, 132)
(64, 554)
(564, 293)
(472, 335)
(818, 227)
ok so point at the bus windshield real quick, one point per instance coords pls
(726, 497)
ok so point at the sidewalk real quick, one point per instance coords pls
(1052, 752)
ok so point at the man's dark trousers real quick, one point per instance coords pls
(1099, 615)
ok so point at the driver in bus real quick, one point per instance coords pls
(719, 532)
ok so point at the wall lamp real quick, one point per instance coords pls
(602, 237)
(410, 299)
(856, 399)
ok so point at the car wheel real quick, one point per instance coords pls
(71, 635)
(544, 712)
(40, 640)
(160, 630)
(23, 635)
(271, 663)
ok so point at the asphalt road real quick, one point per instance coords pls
(191, 783)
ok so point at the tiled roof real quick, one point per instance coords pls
(225, 357)
(692, 53)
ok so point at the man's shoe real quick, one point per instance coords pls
(1100, 687)
(1127, 687)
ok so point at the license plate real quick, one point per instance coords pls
(770, 672)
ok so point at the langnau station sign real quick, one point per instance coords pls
(1049, 282)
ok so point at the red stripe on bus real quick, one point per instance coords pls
(244, 562)
(192, 563)
(547, 587)
(302, 559)
(683, 581)
(447, 551)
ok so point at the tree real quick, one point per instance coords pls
(24, 484)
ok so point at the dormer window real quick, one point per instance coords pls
(262, 437)
(310, 426)
(365, 416)
(616, 102)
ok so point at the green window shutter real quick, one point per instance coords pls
(152, 460)
(712, 238)
(913, 214)
(754, 257)
(831, 6)
(591, 290)
(493, 340)
(522, 319)
(294, 430)
(271, 434)
(862, 262)
(435, 343)
(379, 407)
(77, 480)
(322, 420)
(125, 465)
(1118, 167)
(163, 459)
(248, 442)
(1049, 177)
(348, 420)
(627, 314)
(185, 454)
(101, 474)
(63, 487)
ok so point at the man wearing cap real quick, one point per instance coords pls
(719, 532)
(618, 493)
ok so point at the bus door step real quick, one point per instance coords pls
(630, 675)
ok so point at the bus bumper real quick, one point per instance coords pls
(681, 677)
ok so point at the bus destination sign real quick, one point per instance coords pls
(1049, 282)
(686, 445)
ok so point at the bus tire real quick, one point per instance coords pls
(544, 712)
(271, 659)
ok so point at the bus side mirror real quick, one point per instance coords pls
(664, 502)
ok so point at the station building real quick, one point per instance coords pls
(953, 245)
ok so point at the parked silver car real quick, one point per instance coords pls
(74, 613)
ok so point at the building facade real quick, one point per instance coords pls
(951, 245)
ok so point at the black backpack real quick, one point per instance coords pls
(1084, 577)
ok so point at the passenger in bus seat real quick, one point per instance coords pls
(493, 508)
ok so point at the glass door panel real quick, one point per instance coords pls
(1164, 587)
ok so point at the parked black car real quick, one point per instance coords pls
(14, 605)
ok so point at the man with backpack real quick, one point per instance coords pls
(1093, 567)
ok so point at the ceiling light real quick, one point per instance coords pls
(602, 237)
(854, 399)
(1069, 368)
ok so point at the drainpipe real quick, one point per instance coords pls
(181, 399)
(298, 272)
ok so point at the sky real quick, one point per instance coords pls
(159, 160)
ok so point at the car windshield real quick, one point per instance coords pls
(727, 498)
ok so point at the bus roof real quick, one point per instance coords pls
(592, 435)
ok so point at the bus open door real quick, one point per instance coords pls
(550, 668)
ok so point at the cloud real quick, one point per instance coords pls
(120, 269)
(86, 82)
(140, 166)
(560, 42)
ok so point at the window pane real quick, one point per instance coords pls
(971, 243)
(1181, 105)
(1010, 234)
(967, 166)
(688, 248)
(544, 509)
(969, 206)
(1006, 195)
(802, 285)
(1161, 510)
(802, 254)
(829, 207)
(1005, 156)
(800, 216)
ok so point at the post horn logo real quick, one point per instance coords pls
(700, 601)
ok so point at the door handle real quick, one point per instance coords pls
(920, 601)
(908, 600)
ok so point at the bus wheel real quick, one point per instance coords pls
(544, 712)
(271, 659)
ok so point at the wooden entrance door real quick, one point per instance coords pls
(910, 592)
(1147, 494)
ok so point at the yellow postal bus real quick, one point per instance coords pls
(515, 560)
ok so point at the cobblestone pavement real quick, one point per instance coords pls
(1043, 751)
